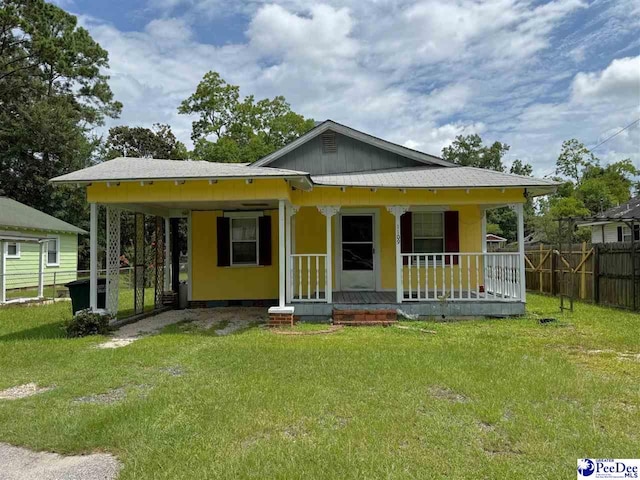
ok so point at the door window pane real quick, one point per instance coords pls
(357, 256)
(357, 228)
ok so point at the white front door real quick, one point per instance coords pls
(357, 269)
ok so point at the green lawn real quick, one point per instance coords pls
(479, 399)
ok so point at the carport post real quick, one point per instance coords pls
(281, 255)
(93, 257)
(167, 254)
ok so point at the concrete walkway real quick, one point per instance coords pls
(22, 464)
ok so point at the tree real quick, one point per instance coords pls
(157, 142)
(469, 151)
(53, 90)
(548, 227)
(230, 130)
(574, 159)
(518, 167)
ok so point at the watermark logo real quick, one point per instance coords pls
(609, 468)
(586, 467)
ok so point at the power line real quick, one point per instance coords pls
(615, 134)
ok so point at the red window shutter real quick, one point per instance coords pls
(406, 235)
(224, 254)
(264, 235)
(451, 235)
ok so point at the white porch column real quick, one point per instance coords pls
(328, 212)
(519, 208)
(93, 257)
(281, 255)
(397, 211)
(291, 210)
(43, 245)
(484, 229)
(3, 273)
(113, 260)
(167, 255)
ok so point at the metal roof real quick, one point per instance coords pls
(433, 177)
(358, 135)
(132, 169)
(17, 215)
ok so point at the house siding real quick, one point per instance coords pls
(610, 232)
(23, 272)
(350, 156)
(211, 282)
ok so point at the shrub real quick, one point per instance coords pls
(86, 322)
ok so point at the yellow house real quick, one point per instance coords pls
(335, 220)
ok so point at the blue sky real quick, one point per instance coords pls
(530, 74)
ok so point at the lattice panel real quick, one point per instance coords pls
(139, 264)
(113, 259)
(159, 261)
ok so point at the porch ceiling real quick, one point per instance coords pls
(181, 209)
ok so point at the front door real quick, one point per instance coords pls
(358, 250)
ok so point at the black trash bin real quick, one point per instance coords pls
(79, 293)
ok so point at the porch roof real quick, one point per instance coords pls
(148, 169)
(436, 177)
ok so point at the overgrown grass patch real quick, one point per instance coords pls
(494, 398)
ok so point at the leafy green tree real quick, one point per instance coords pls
(469, 151)
(548, 227)
(228, 129)
(574, 159)
(156, 142)
(518, 167)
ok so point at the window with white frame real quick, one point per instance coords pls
(626, 233)
(428, 232)
(13, 250)
(244, 240)
(53, 252)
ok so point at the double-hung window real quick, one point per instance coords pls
(244, 240)
(428, 232)
(53, 252)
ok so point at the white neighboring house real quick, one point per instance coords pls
(495, 242)
(614, 225)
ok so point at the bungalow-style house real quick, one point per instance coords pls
(614, 225)
(35, 248)
(335, 220)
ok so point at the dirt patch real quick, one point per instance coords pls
(331, 329)
(112, 396)
(486, 426)
(23, 391)
(22, 464)
(173, 370)
(444, 393)
(620, 355)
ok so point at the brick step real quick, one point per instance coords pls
(364, 317)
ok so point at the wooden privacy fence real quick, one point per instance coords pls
(607, 274)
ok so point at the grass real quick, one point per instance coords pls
(479, 399)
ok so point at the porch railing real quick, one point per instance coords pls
(309, 279)
(461, 276)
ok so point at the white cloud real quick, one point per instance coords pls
(621, 79)
(322, 37)
(417, 73)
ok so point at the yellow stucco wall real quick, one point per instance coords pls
(211, 282)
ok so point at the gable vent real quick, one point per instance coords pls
(329, 143)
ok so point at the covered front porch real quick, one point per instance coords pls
(371, 259)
